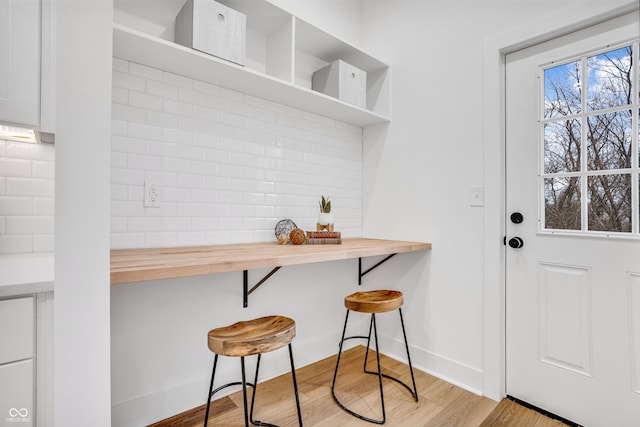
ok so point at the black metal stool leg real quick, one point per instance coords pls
(244, 393)
(255, 389)
(295, 385)
(375, 335)
(213, 374)
(406, 344)
(366, 354)
(335, 373)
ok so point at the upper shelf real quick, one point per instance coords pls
(139, 47)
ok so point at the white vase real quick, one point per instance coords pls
(325, 221)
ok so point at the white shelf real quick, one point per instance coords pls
(136, 46)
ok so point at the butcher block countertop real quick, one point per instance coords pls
(136, 265)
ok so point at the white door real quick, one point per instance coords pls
(573, 288)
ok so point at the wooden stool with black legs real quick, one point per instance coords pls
(379, 301)
(248, 338)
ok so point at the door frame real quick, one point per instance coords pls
(494, 145)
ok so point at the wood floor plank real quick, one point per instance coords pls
(440, 403)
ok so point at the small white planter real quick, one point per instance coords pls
(325, 221)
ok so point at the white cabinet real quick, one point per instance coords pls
(25, 68)
(16, 394)
(20, 65)
(17, 336)
(282, 53)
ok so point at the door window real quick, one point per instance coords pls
(589, 144)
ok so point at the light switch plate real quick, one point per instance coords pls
(476, 195)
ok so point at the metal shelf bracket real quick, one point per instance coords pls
(362, 273)
(245, 284)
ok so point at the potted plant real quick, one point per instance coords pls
(325, 217)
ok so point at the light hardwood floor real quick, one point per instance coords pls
(440, 403)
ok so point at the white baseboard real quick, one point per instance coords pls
(449, 370)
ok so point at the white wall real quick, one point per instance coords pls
(342, 18)
(26, 197)
(81, 301)
(430, 156)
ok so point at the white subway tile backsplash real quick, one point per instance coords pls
(230, 164)
(143, 131)
(163, 90)
(43, 206)
(144, 100)
(157, 118)
(43, 243)
(144, 224)
(177, 80)
(118, 128)
(206, 87)
(26, 197)
(127, 240)
(43, 169)
(29, 187)
(125, 80)
(176, 224)
(144, 71)
(16, 244)
(127, 176)
(128, 113)
(120, 65)
(29, 225)
(160, 240)
(22, 150)
(16, 205)
(15, 167)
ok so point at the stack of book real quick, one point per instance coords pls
(323, 238)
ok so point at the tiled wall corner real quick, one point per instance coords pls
(230, 165)
(26, 197)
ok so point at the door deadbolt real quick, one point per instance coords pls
(517, 218)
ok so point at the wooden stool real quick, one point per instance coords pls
(374, 302)
(247, 338)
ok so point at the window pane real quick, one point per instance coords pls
(562, 89)
(562, 203)
(609, 203)
(609, 79)
(609, 141)
(562, 146)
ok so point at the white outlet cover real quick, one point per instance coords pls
(152, 195)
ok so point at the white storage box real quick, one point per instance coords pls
(342, 81)
(213, 28)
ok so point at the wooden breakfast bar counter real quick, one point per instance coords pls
(136, 265)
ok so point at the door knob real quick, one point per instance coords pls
(516, 218)
(516, 242)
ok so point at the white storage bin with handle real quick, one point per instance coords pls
(213, 28)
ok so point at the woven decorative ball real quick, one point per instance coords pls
(284, 227)
(297, 237)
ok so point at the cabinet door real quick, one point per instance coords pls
(16, 394)
(16, 329)
(20, 63)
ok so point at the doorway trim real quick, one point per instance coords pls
(495, 51)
